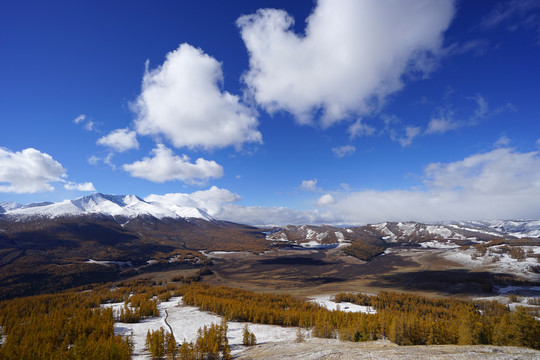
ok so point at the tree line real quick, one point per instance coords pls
(76, 325)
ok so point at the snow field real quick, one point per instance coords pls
(505, 262)
(439, 245)
(185, 321)
(325, 301)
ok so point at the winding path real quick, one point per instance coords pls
(167, 323)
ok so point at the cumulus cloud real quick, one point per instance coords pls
(500, 184)
(211, 200)
(353, 54)
(326, 199)
(309, 185)
(343, 151)
(182, 100)
(223, 204)
(28, 171)
(120, 140)
(87, 186)
(165, 166)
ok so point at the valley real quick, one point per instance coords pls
(101, 243)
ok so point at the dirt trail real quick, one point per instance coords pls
(167, 323)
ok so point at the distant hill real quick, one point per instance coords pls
(49, 246)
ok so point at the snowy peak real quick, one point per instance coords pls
(407, 232)
(129, 206)
(10, 205)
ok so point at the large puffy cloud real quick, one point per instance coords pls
(223, 204)
(500, 184)
(165, 166)
(182, 100)
(353, 54)
(28, 171)
(211, 200)
(120, 140)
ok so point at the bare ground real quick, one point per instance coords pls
(319, 349)
(305, 273)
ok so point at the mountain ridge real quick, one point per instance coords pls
(128, 206)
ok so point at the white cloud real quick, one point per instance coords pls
(326, 199)
(183, 101)
(165, 166)
(358, 129)
(481, 111)
(503, 141)
(441, 125)
(514, 14)
(406, 136)
(344, 150)
(89, 126)
(222, 204)
(211, 200)
(446, 120)
(79, 119)
(500, 184)
(410, 133)
(309, 185)
(82, 119)
(87, 186)
(28, 171)
(261, 215)
(94, 160)
(120, 140)
(353, 54)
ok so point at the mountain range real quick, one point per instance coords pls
(50, 246)
(127, 207)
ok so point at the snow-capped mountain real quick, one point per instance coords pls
(129, 206)
(407, 232)
(10, 205)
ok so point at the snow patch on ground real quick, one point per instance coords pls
(186, 320)
(438, 245)
(108, 262)
(340, 236)
(325, 301)
(279, 236)
(439, 230)
(491, 261)
(310, 234)
(407, 228)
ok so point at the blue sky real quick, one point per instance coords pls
(274, 112)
